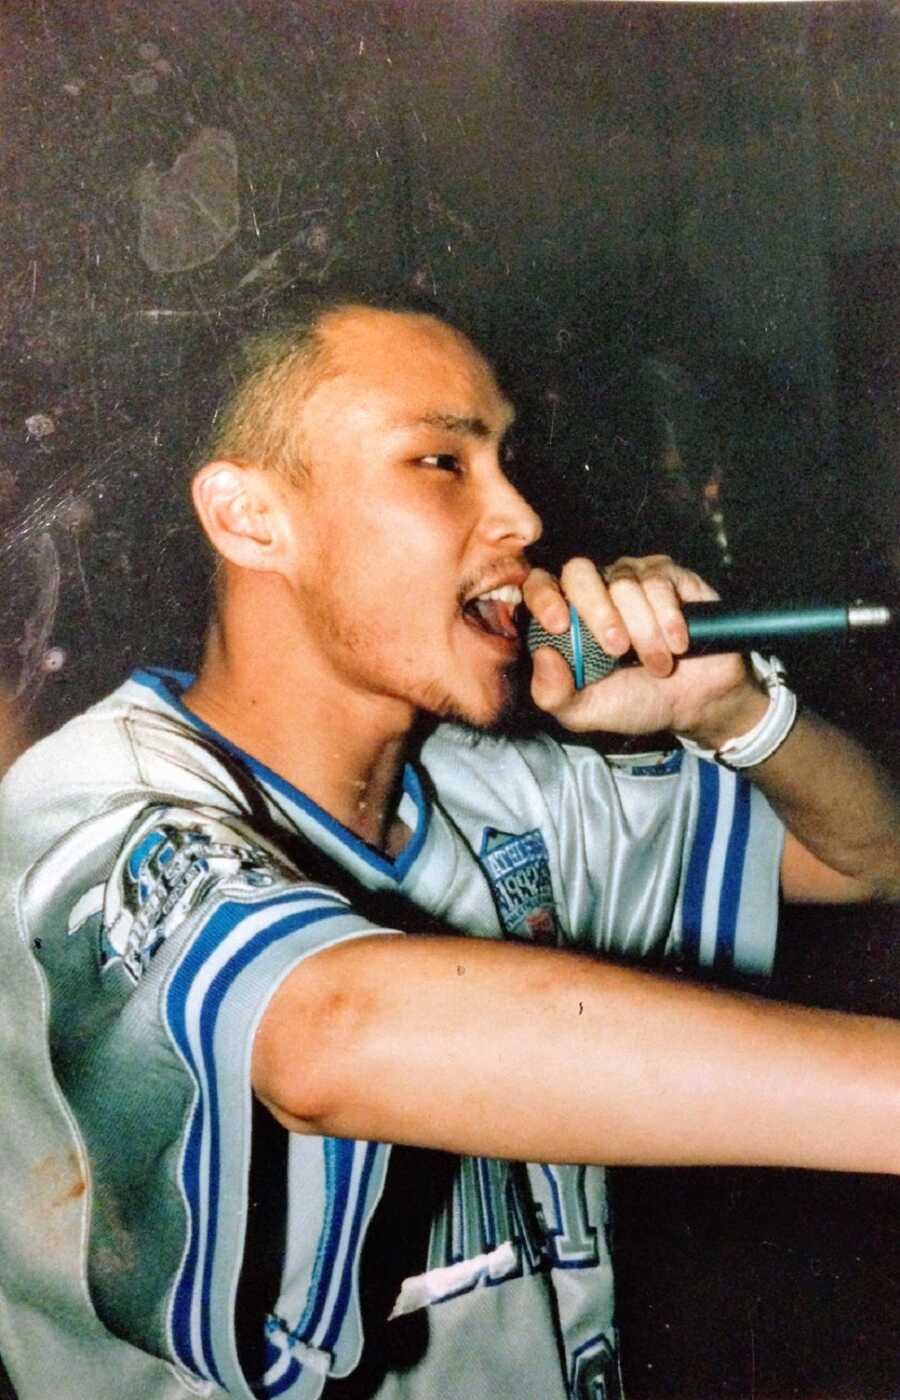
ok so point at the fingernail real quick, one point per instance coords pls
(678, 636)
(658, 662)
(616, 639)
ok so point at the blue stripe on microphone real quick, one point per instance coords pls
(577, 652)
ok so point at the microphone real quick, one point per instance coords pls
(713, 627)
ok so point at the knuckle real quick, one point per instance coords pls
(661, 585)
(625, 564)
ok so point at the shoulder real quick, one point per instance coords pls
(454, 754)
(62, 781)
(115, 758)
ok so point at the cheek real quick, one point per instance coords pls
(421, 542)
(393, 558)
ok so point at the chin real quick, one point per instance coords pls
(485, 712)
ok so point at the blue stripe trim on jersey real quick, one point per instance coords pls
(271, 1392)
(664, 768)
(222, 923)
(167, 685)
(339, 1156)
(698, 865)
(315, 1328)
(281, 1369)
(339, 1311)
(488, 1221)
(733, 878)
(226, 918)
(412, 786)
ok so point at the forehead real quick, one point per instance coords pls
(397, 369)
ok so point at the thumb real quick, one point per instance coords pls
(552, 682)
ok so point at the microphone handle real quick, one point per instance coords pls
(713, 627)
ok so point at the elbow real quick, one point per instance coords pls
(880, 881)
(861, 874)
(307, 1052)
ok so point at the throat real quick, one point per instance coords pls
(353, 767)
(378, 826)
(397, 838)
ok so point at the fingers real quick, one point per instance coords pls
(636, 603)
(545, 600)
(626, 702)
(647, 604)
(552, 682)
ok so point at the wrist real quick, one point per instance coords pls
(754, 727)
(730, 717)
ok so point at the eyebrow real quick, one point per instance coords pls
(453, 423)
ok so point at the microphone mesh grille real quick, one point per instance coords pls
(597, 662)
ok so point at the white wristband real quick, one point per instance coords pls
(769, 734)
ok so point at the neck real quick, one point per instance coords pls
(343, 749)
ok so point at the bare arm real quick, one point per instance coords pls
(503, 1050)
(841, 811)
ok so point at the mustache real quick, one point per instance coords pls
(497, 574)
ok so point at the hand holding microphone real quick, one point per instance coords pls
(714, 627)
(657, 613)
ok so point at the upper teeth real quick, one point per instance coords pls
(507, 594)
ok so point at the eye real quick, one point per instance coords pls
(444, 461)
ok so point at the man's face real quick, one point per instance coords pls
(406, 519)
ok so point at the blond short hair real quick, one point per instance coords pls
(271, 374)
(259, 420)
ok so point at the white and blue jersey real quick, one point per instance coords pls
(158, 884)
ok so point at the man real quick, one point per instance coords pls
(213, 882)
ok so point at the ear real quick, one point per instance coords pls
(240, 510)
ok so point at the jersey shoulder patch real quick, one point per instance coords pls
(169, 863)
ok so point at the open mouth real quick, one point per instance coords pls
(493, 611)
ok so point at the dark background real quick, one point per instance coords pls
(676, 229)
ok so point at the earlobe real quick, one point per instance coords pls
(237, 511)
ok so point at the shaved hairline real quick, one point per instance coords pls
(259, 420)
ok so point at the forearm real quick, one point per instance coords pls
(499, 1050)
(840, 807)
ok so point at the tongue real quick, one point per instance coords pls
(495, 616)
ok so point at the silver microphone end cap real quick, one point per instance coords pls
(869, 615)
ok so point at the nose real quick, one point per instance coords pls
(506, 515)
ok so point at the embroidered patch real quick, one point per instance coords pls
(163, 877)
(518, 870)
